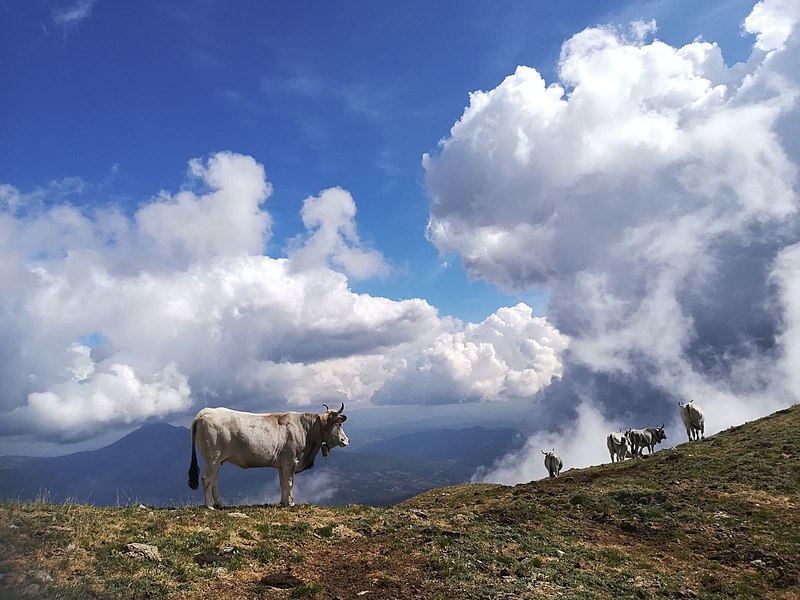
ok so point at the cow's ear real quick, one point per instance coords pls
(342, 418)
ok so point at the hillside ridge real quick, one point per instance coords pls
(716, 518)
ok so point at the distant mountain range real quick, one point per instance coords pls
(149, 465)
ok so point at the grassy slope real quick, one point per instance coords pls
(711, 519)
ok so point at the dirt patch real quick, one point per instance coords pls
(280, 581)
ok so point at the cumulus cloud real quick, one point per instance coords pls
(226, 221)
(333, 238)
(511, 354)
(112, 319)
(772, 22)
(653, 191)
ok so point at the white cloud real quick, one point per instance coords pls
(333, 238)
(226, 221)
(71, 15)
(110, 320)
(310, 487)
(511, 354)
(787, 276)
(71, 409)
(650, 189)
(772, 22)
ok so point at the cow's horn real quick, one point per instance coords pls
(341, 410)
(326, 407)
(543, 452)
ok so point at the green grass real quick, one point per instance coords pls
(712, 519)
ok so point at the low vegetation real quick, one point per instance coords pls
(718, 518)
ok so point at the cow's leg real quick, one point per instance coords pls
(287, 480)
(702, 430)
(210, 475)
(215, 491)
(284, 492)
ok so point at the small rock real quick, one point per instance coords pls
(757, 562)
(141, 506)
(143, 551)
(364, 593)
(71, 547)
(41, 576)
(560, 553)
(238, 515)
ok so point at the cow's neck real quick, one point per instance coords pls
(313, 443)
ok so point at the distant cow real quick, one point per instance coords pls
(693, 420)
(617, 443)
(552, 462)
(639, 439)
(288, 442)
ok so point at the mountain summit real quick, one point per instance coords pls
(716, 518)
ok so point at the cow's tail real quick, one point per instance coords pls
(194, 470)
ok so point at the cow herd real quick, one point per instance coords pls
(631, 443)
(291, 441)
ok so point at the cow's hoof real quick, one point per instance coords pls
(209, 507)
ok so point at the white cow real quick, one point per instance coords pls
(639, 439)
(288, 442)
(617, 443)
(552, 462)
(693, 420)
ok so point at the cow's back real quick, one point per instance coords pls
(695, 415)
(248, 439)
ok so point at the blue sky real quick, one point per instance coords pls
(346, 94)
(597, 177)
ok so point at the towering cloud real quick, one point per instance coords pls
(653, 191)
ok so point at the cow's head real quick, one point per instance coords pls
(661, 435)
(333, 434)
